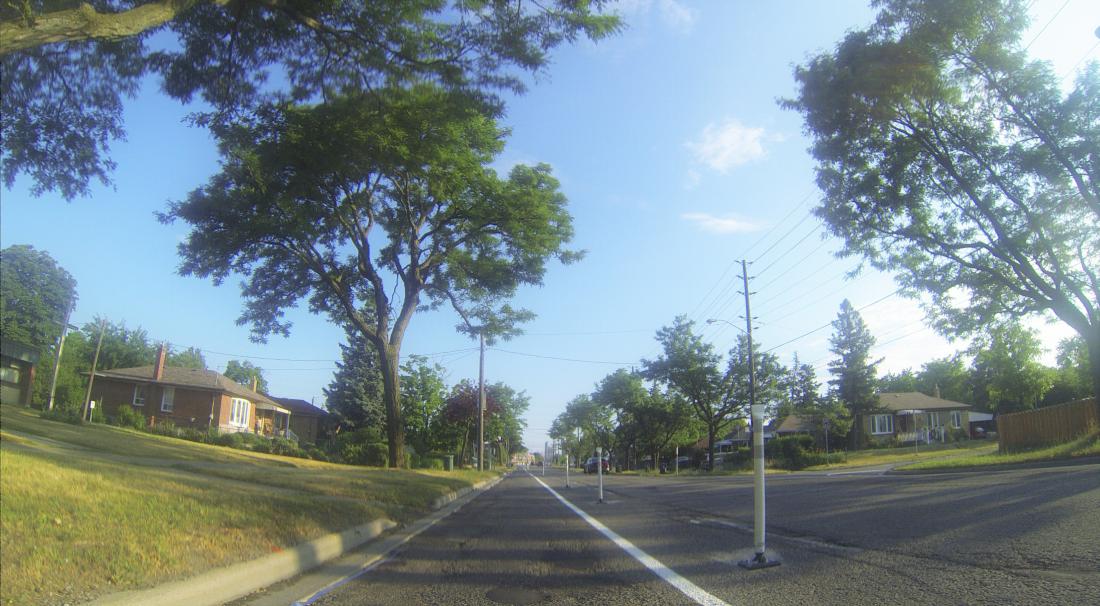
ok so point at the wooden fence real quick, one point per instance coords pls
(1046, 426)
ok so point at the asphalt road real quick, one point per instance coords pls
(1007, 537)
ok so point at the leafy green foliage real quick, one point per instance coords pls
(61, 102)
(948, 157)
(691, 369)
(853, 381)
(246, 373)
(189, 358)
(35, 296)
(423, 393)
(1007, 375)
(128, 417)
(372, 209)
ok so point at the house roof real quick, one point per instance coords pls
(914, 400)
(301, 407)
(194, 378)
(18, 351)
(795, 424)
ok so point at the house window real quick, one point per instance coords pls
(956, 419)
(139, 395)
(238, 412)
(167, 400)
(881, 424)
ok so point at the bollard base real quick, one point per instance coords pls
(758, 561)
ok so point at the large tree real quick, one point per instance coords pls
(718, 393)
(853, 371)
(36, 295)
(1007, 375)
(248, 374)
(372, 209)
(947, 156)
(66, 67)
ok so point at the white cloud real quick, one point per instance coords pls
(676, 15)
(672, 13)
(722, 147)
(721, 225)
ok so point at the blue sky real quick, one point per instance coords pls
(677, 162)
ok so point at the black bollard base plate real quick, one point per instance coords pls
(758, 561)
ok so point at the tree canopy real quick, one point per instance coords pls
(36, 295)
(372, 210)
(246, 373)
(947, 156)
(66, 67)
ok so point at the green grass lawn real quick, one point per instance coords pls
(1087, 445)
(93, 509)
(886, 456)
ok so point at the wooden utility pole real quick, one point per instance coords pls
(91, 377)
(760, 558)
(481, 405)
(57, 358)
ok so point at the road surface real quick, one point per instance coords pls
(1006, 537)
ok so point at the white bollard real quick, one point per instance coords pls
(599, 470)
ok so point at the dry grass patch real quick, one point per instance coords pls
(89, 510)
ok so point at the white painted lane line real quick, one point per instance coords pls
(691, 590)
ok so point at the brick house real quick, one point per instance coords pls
(307, 421)
(189, 397)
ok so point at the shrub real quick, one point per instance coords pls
(165, 428)
(285, 447)
(793, 452)
(64, 414)
(232, 440)
(192, 434)
(126, 416)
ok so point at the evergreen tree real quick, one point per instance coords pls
(355, 394)
(853, 381)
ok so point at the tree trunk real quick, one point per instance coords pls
(1092, 340)
(711, 430)
(391, 397)
(855, 435)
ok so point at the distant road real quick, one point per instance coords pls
(1008, 537)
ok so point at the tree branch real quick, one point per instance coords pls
(84, 23)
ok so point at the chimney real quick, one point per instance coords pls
(255, 383)
(158, 368)
(936, 393)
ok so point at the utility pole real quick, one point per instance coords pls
(760, 558)
(95, 363)
(57, 358)
(481, 404)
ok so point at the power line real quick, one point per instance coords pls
(695, 313)
(788, 251)
(824, 326)
(797, 264)
(783, 237)
(530, 355)
(1064, 5)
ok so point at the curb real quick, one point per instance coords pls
(998, 467)
(238, 580)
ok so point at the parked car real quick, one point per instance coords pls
(590, 465)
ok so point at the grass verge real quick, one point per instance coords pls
(89, 510)
(1087, 445)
